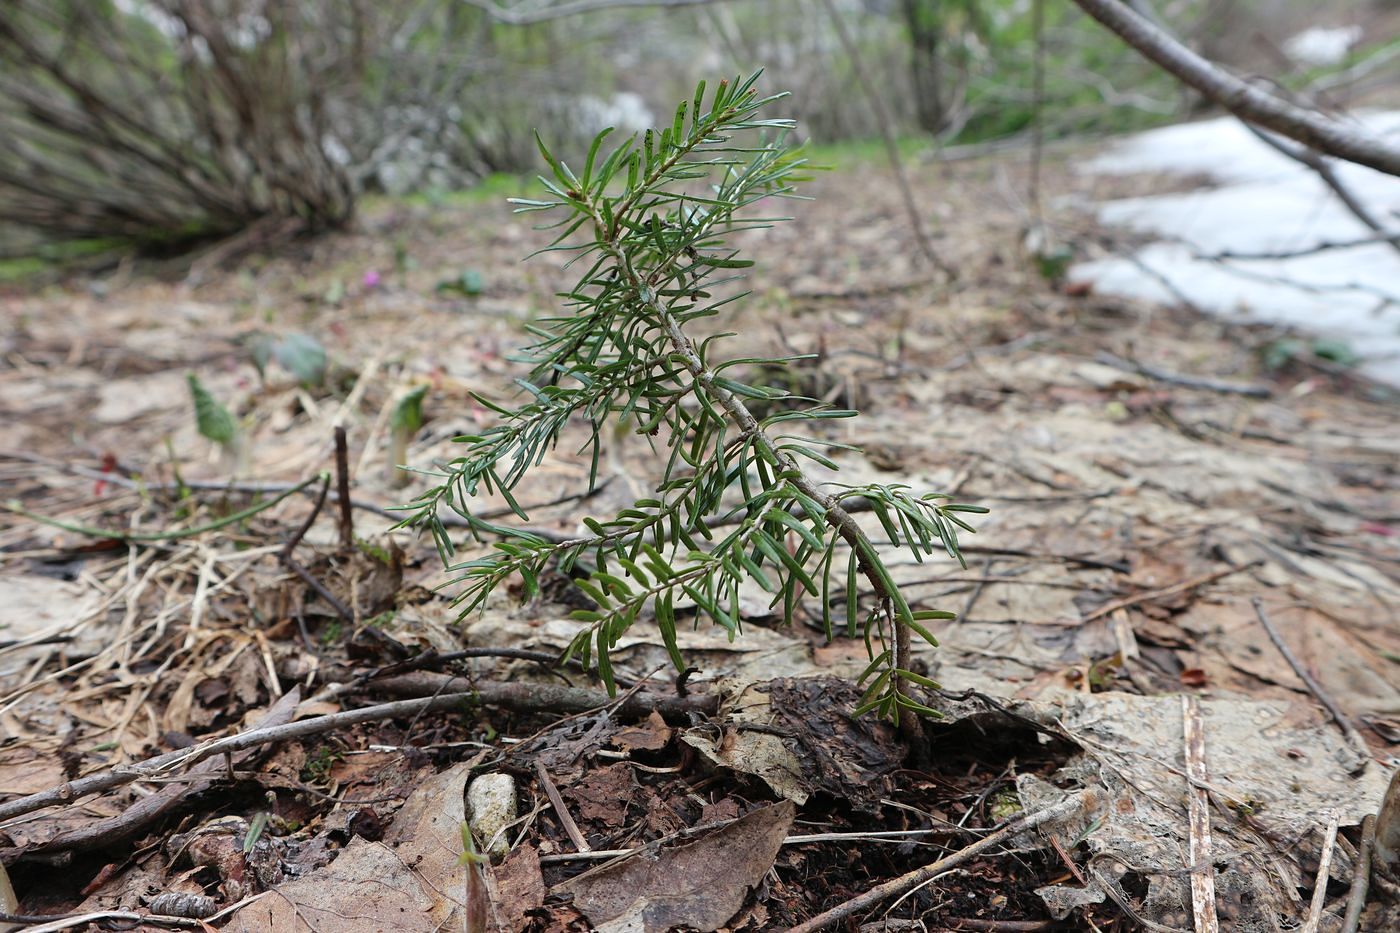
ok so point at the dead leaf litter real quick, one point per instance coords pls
(1134, 521)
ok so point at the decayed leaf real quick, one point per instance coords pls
(761, 754)
(652, 734)
(1282, 775)
(698, 885)
(410, 881)
(820, 747)
(517, 887)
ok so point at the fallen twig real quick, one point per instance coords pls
(1354, 739)
(342, 488)
(450, 519)
(1190, 382)
(433, 659)
(1360, 876)
(515, 697)
(1128, 601)
(1324, 870)
(1198, 804)
(550, 697)
(147, 810)
(138, 537)
(1072, 804)
(1322, 246)
(53, 923)
(566, 819)
(895, 837)
(1241, 98)
(1312, 159)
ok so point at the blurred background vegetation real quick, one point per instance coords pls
(162, 124)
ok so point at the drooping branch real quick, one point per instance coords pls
(530, 13)
(1310, 158)
(885, 121)
(1244, 100)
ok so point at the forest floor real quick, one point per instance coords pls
(1149, 480)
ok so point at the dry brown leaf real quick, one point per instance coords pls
(411, 881)
(603, 795)
(517, 887)
(650, 735)
(698, 885)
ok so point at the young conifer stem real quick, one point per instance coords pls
(750, 428)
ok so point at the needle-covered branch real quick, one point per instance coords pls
(651, 219)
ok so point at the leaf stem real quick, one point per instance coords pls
(137, 537)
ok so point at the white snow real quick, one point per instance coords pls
(1261, 202)
(1322, 45)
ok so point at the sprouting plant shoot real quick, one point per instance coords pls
(405, 422)
(734, 497)
(216, 423)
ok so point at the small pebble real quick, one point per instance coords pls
(490, 806)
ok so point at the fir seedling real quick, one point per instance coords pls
(735, 497)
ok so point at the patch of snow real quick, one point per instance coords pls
(1262, 203)
(625, 111)
(1322, 45)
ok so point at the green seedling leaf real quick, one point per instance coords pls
(303, 356)
(260, 352)
(255, 830)
(213, 419)
(335, 293)
(408, 413)
(470, 284)
(1337, 351)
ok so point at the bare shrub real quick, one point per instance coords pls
(167, 121)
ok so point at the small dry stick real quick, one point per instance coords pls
(560, 810)
(516, 697)
(1353, 737)
(1324, 869)
(1075, 803)
(1202, 868)
(135, 817)
(290, 562)
(893, 836)
(1190, 584)
(1361, 876)
(342, 488)
(1222, 386)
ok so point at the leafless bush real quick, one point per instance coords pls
(166, 121)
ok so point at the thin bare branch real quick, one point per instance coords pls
(517, 697)
(526, 14)
(1244, 100)
(1310, 158)
(1354, 739)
